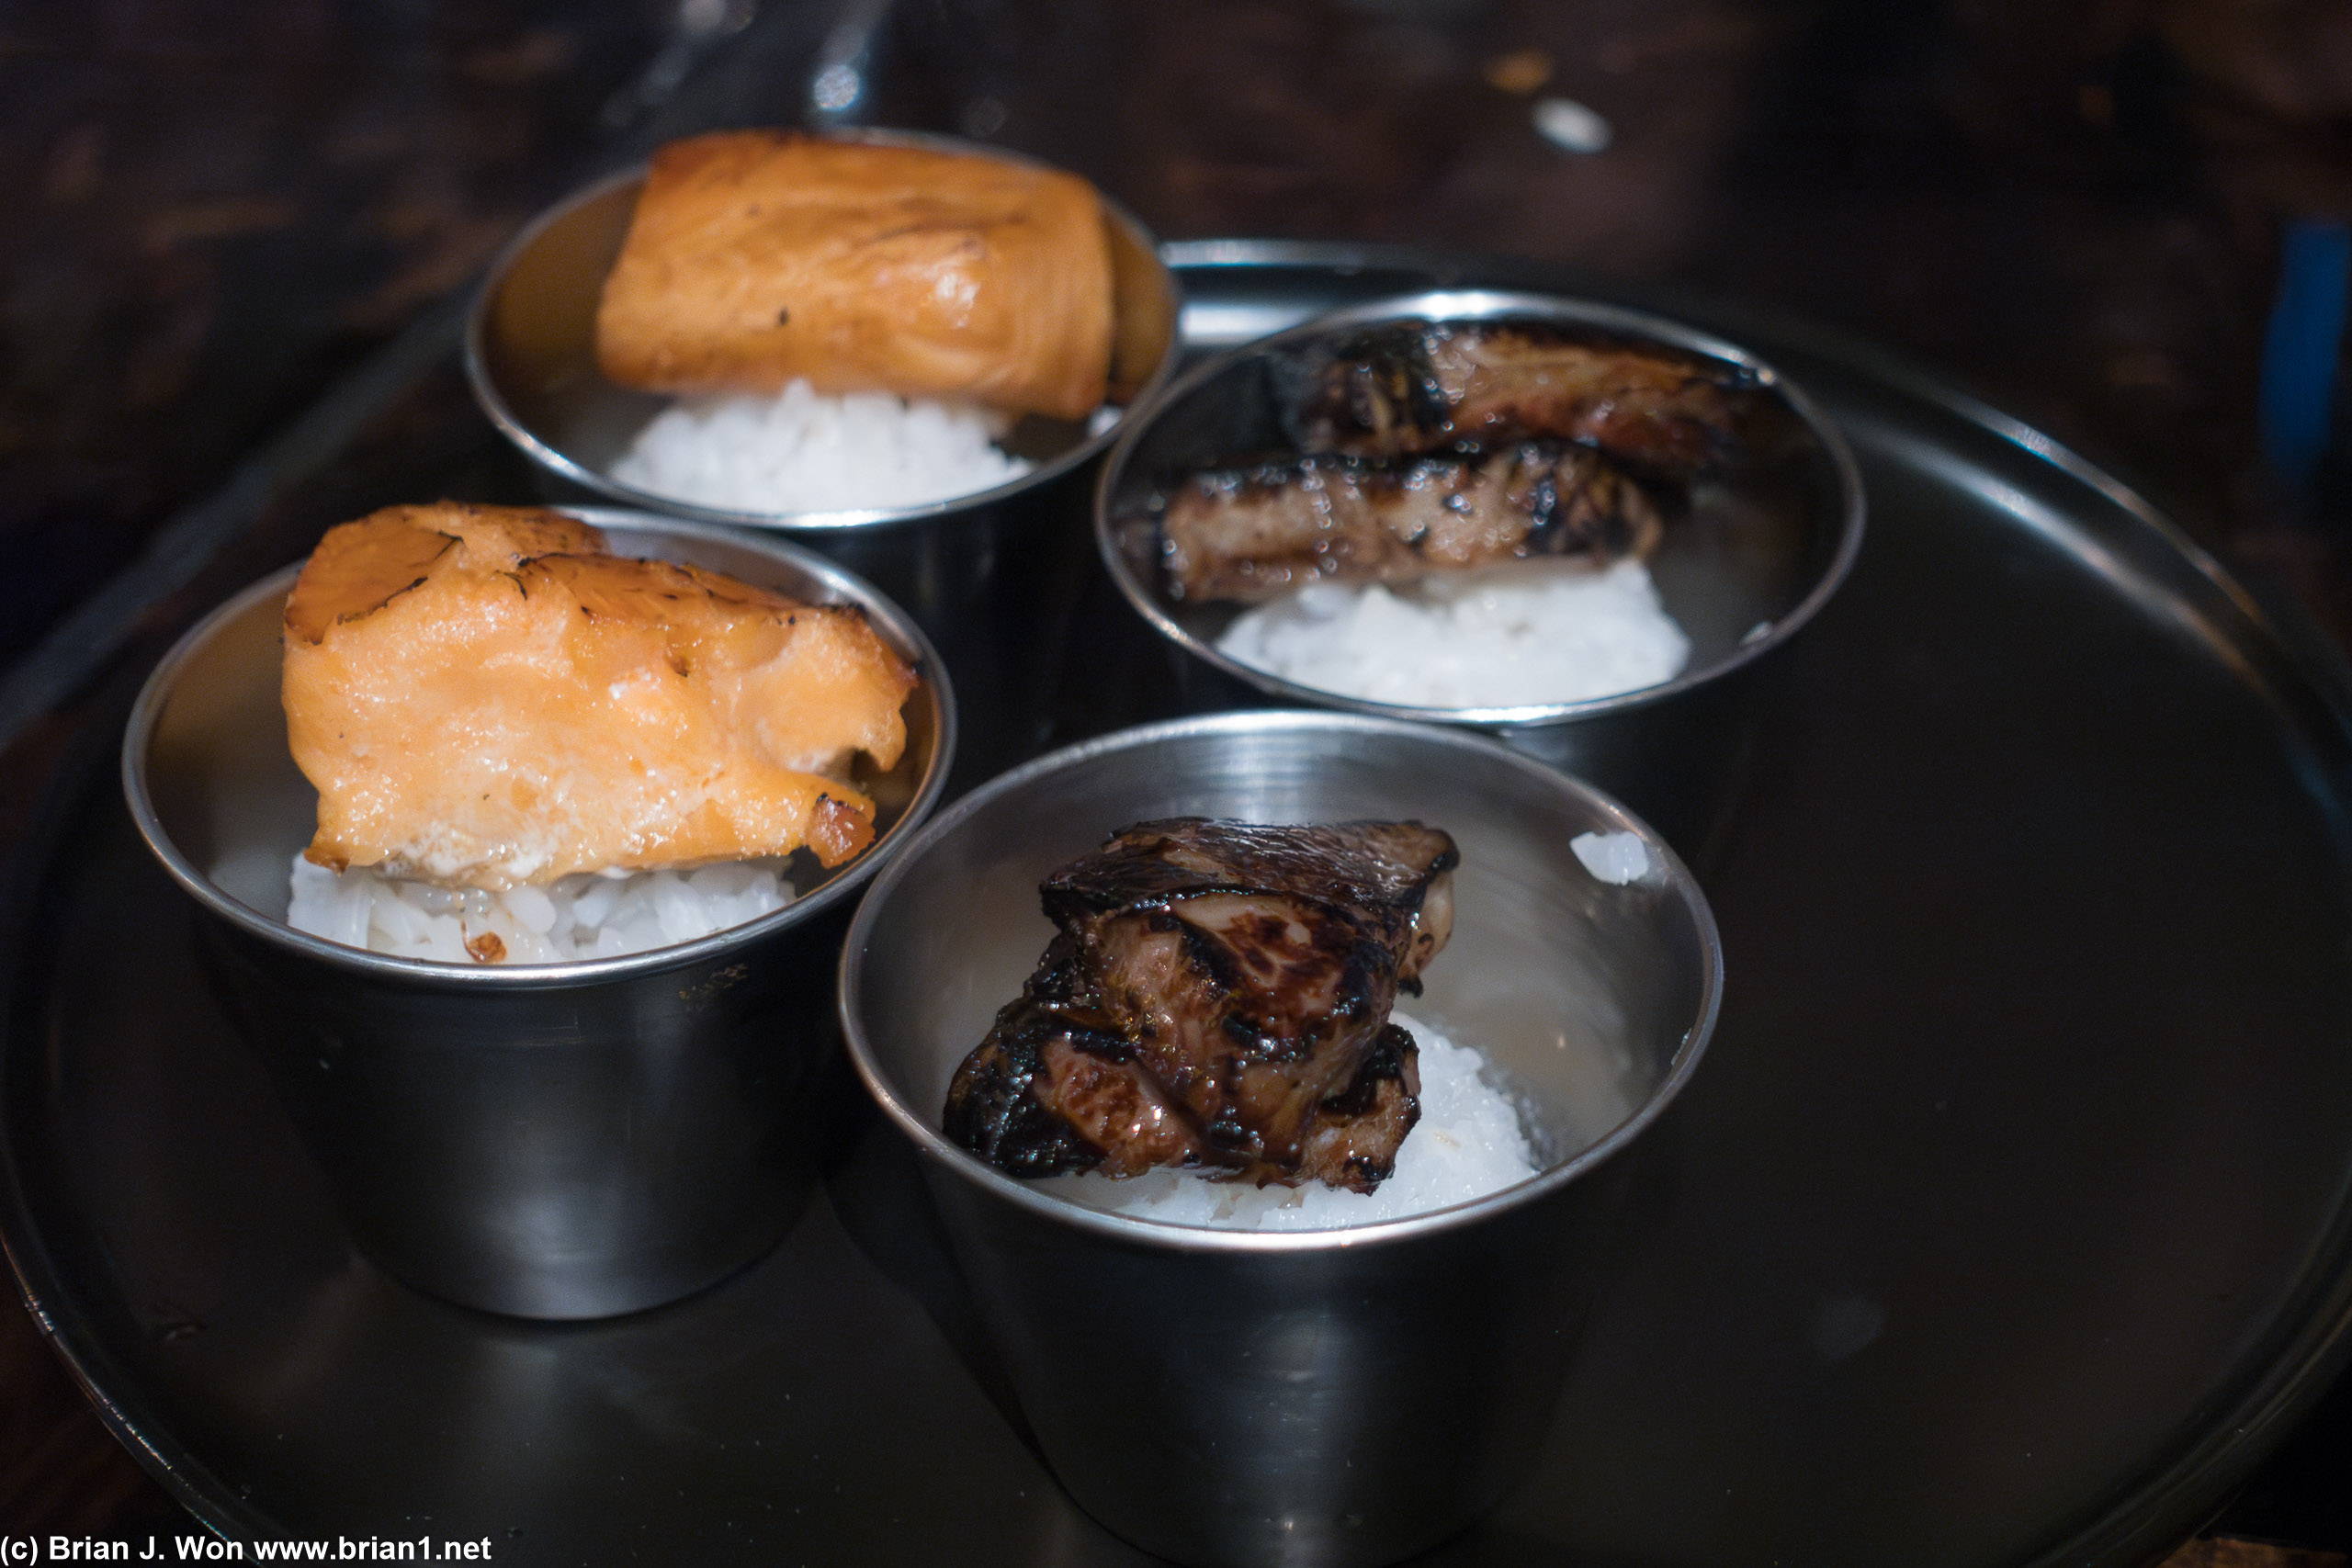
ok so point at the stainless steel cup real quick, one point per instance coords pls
(551, 1141)
(1764, 543)
(1323, 1398)
(992, 577)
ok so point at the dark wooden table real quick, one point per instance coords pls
(223, 211)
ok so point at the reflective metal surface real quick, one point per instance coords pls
(557, 1140)
(1762, 545)
(2007, 1221)
(1319, 1398)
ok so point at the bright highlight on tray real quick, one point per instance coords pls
(487, 699)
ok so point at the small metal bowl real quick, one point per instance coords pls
(553, 1139)
(1338, 1397)
(530, 354)
(1763, 546)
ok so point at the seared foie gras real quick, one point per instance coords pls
(1250, 535)
(1423, 386)
(1218, 998)
(486, 696)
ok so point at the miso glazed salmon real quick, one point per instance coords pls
(486, 696)
(758, 257)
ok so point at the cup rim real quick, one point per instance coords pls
(543, 451)
(1474, 304)
(897, 626)
(1168, 1235)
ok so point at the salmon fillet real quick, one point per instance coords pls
(756, 257)
(486, 696)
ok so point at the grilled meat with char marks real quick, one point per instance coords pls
(1249, 535)
(1411, 388)
(1217, 997)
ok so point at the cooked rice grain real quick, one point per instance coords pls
(804, 451)
(591, 916)
(1512, 635)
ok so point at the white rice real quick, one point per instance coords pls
(1468, 1142)
(1501, 637)
(804, 451)
(594, 915)
(1617, 859)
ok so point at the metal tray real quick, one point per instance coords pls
(2008, 1221)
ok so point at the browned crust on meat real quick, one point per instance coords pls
(359, 568)
(1248, 536)
(841, 828)
(1641, 405)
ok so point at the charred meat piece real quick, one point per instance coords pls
(1249, 535)
(1353, 1141)
(1218, 998)
(1055, 1063)
(1423, 386)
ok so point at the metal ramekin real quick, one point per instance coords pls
(553, 1139)
(1341, 1397)
(1767, 542)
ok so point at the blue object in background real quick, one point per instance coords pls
(2299, 351)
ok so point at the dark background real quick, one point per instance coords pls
(217, 212)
